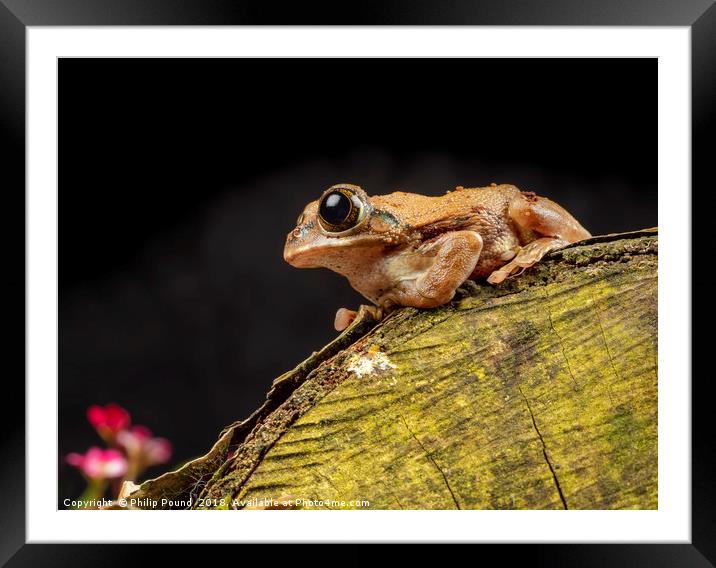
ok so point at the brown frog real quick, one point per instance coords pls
(405, 249)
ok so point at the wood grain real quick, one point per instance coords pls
(540, 393)
(537, 394)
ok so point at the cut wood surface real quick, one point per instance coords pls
(540, 393)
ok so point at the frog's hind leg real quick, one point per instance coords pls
(544, 217)
(526, 257)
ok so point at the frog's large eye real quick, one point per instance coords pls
(340, 209)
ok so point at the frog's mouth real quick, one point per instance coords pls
(299, 257)
(322, 251)
(313, 255)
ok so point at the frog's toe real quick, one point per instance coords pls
(498, 276)
(344, 317)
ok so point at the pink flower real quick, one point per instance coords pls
(108, 420)
(143, 448)
(99, 463)
(157, 450)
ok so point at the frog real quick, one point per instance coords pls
(408, 249)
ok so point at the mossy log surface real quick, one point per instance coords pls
(540, 393)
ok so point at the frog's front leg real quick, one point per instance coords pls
(544, 217)
(451, 259)
(426, 277)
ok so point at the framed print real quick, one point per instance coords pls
(494, 346)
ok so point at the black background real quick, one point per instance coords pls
(179, 179)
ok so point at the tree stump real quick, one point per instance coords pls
(540, 393)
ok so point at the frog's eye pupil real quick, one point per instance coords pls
(341, 209)
(335, 208)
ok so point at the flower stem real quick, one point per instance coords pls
(94, 491)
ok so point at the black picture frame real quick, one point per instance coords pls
(16, 15)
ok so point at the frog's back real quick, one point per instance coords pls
(419, 211)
